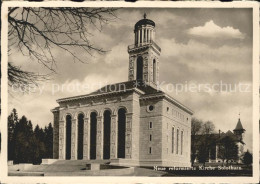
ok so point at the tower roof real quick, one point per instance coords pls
(239, 126)
(144, 21)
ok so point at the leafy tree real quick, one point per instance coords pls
(228, 149)
(36, 31)
(248, 158)
(196, 125)
(201, 141)
(208, 127)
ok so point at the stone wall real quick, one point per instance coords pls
(175, 117)
(146, 117)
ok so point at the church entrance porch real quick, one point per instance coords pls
(99, 135)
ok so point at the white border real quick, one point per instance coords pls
(102, 179)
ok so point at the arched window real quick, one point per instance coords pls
(106, 129)
(139, 71)
(80, 135)
(121, 133)
(68, 137)
(154, 70)
(93, 135)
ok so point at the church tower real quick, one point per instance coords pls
(144, 54)
(239, 130)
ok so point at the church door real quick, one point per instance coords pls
(121, 133)
(68, 137)
(107, 128)
(93, 135)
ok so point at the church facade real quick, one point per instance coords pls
(128, 123)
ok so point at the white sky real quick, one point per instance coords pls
(199, 46)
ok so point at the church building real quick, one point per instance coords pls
(128, 123)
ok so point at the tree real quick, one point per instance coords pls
(36, 31)
(48, 141)
(248, 158)
(208, 127)
(228, 149)
(196, 125)
(23, 133)
(201, 140)
(12, 121)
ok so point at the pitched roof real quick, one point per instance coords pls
(146, 91)
(239, 125)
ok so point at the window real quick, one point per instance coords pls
(172, 139)
(177, 142)
(167, 109)
(150, 150)
(181, 142)
(150, 137)
(150, 108)
(150, 125)
(154, 70)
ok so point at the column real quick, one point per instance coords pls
(136, 37)
(113, 137)
(149, 35)
(139, 37)
(74, 139)
(128, 136)
(146, 35)
(99, 137)
(142, 35)
(86, 139)
(55, 134)
(62, 140)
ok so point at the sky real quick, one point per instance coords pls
(200, 47)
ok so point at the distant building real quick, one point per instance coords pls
(215, 142)
(129, 123)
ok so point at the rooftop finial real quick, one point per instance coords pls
(144, 15)
(239, 115)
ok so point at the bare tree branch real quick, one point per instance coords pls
(35, 32)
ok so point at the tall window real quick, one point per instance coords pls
(139, 72)
(150, 125)
(150, 137)
(177, 142)
(150, 150)
(154, 70)
(181, 142)
(172, 139)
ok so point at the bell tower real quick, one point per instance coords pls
(239, 130)
(144, 54)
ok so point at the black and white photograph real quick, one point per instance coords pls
(131, 90)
